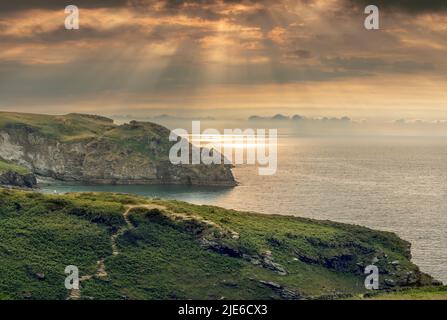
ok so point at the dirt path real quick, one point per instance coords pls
(75, 294)
(129, 225)
(101, 268)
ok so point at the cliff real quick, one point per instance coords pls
(92, 149)
(16, 176)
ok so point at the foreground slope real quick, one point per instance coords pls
(128, 247)
(424, 293)
(92, 149)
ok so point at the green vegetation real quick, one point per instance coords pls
(40, 235)
(6, 166)
(425, 293)
(92, 149)
(175, 250)
(65, 128)
(144, 137)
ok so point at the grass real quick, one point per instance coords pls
(71, 127)
(43, 234)
(181, 251)
(110, 153)
(6, 166)
(144, 137)
(329, 252)
(426, 293)
(148, 139)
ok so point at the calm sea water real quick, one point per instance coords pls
(392, 184)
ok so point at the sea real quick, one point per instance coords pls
(396, 184)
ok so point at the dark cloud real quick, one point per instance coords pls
(168, 7)
(205, 9)
(159, 49)
(61, 35)
(412, 6)
(23, 5)
(373, 65)
(93, 75)
(302, 54)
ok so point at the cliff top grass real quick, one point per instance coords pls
(174, 250)
(6, 166)
(425, 293)
(144, 137)
(64, 127)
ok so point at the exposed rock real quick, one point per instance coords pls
(40, 276)
(335, 262)
(410, 278)
(228, 283)
(15, 179)
(267, 262)
(290, 295)
(104, 153)
(436, 283)
(339, 262)
(271, 284)
(390, 282)
(210, 236)
(283, 292)
(220, 248)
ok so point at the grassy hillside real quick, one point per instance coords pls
(129, 247)
(425, 293)
(92, 149)
(65, 127)
(144, 137)
(6, 166)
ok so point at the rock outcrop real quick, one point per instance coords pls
(92, 149)
(15, 179)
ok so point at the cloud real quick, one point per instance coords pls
(24, 5)
(411, 6)
(146, 48)
(378, 64)
(303, 54)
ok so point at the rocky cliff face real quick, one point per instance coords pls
(15, 179)
(83, 148)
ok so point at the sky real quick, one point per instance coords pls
(226, 58)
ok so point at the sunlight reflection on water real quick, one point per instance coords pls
(397, 184)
